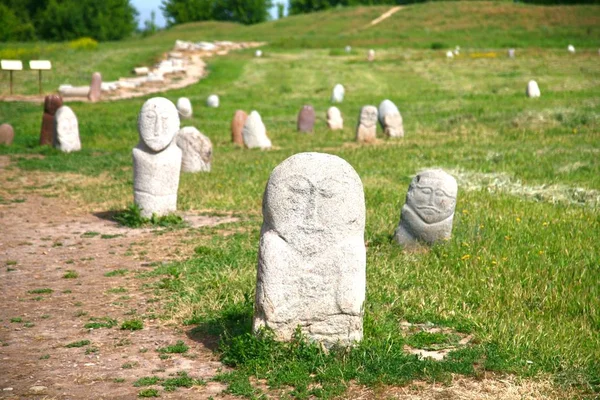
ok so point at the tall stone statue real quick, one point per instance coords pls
(156, 158)
(66, 130)
(429, 209)
(52, 103)
(196, 150)
(312, 256)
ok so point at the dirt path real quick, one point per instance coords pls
(41, 240)
(383, 16)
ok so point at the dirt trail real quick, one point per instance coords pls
(383, 16)
(41, 239)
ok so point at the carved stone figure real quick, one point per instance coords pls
(306, 119)
(390, 119)
(156, 158)
(337, 96)
(312, 256)
(371, 55)
(66, 130)
(51, 103)
(237, 125)
(254, 132)
(212, 101)
(429, 209)
(7, 134)
(184, 108)
(533, 90)
(366, 130)
(95, 87)
(511, 53)
(196, 150)
(334, 119)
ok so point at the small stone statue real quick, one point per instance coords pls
(337, 95)
(390, 119)
(429, 209)
(95, 87)
(533, 90)
(66, 130)
(237, 125)
(51, 103)
(371, 55)
(254, 132)
(312, 256)
(306, 119)
(334, 119)
(184, 108)
(366, 130)
(156, 158)
(196, 150)
(212, 101)
(7, 134)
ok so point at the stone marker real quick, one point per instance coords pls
(306, 119)
(66, 130)
(312, 256)
(95, 87)
(390, 119)
(571, 49)
(156, 158)
(334, 119)
(337, 96)
(348, 49)
(533, 90)
(449, 54)
(196, 150)
(371, 55)
(254, 132)
(457, 50)
(258, 53)
(511, 53)
(429, 209)
(184, 108)
(51, 103)
(7, 134)
(212, 101)
(366, 129)
(237, 125)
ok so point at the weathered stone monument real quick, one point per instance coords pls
(95, 87)
(390, 119)
(348, 49)
(258, 53)
(66, 130)
(334, 119)
(254, 132)
(533, 90)
(371, 55)
(7, 134)
(429, 209)
(237, 125)
(337, 95)
(212, 101)
(51, 103)
(156, 158)
(366, 130)
(511, 53)
(312, 256)
(196, 150)
(449, 54)
(306, 119)
(571, 49)
(184, 108)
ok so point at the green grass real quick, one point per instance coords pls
(117, 272)
(41, 291)
(80, 343)
(103, 322)
(132, 218)
(70, 274)
(132, 325)
(520, 273)
(178, 348)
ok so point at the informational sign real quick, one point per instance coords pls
(11, 65)
(40, 64)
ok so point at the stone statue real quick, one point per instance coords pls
(66, 130)
(390, 119)
(254, 132)
(196, 150)
(52, 103)
(312, 256)
(429, 209)
(334, 119)
(184, 107)
(533, 90)
(156, 158)
(366, 130)
(306, 119)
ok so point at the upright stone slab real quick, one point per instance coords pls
(533, 90)
(7, 134)
(334, 119)
(51, 103)
(156, 158)
(212, 101)
(371, 55)
(95, 87)
(390, 119)
(237, 125)
(254, 132)
(366, 130)
(184, 108)
(312, 256)
(429, 209)
(258, 53)
(511, 53)
(66, 130)
(348, 49)
(337, 95)
(306, 119)
(196, 150)
(571, 49)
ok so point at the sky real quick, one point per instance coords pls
(145, 7)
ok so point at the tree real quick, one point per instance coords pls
(243, 11)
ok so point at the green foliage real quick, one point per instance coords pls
(84, 43)
(132, 325)
(97, 323)
(80, 343)
(180, 379)
(148, 393)
(70, 274)
(177, 348)
(117, 272)
(242, 11)
(41, 291)
(132, 218)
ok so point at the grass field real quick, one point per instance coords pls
(522, 271)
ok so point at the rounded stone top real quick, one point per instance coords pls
(387, 107)
(334, 113)
(313, 199)
(158, 123)
(52, 103)
(432, 194)
(368, 116)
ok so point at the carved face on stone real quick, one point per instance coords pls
(432, 194)
(313, 200)
(158, 123)
(368, 116)
(66, 124)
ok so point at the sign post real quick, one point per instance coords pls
(11, 65)
(40, 65)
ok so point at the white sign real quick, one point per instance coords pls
(11, 65)
(40, 64)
